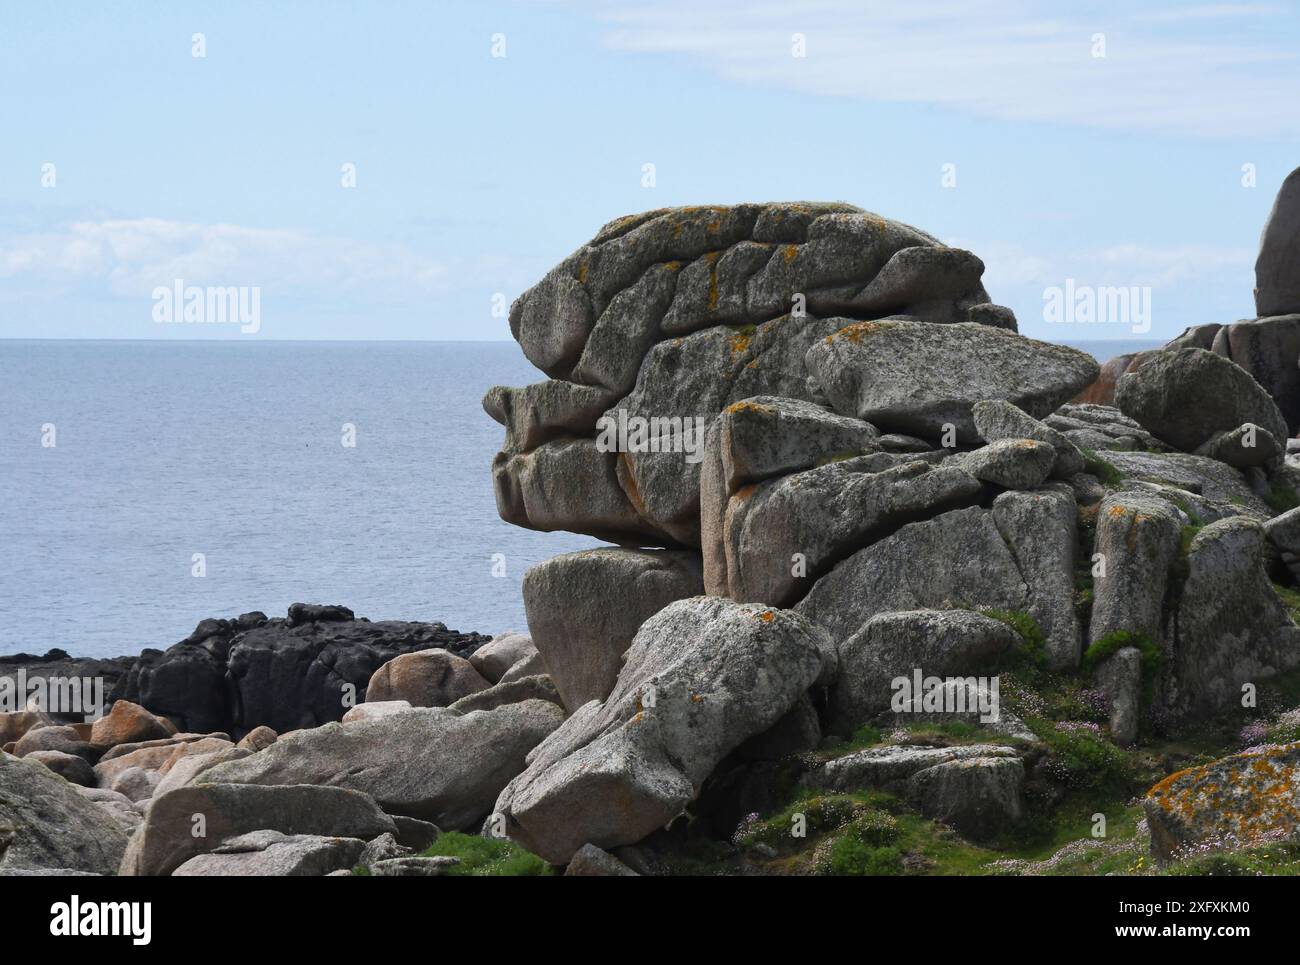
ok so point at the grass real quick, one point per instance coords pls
(1103, 469)
(486, 857)
(1281, 497)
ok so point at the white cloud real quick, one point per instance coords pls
(1195, 69)
(133, 256)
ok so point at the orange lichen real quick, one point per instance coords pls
(788, 252)
(746, 406)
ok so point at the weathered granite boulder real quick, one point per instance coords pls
(62, 737)
(896, 646)
(899, 573)
(1206, 479)
(274, 854)
(1233, 802)
(429, 763)
(890, 768)
(677, 313)
(997, 419)
(584, 608)
(780, 536)
(758, 439)
(907, 376)
(73, 769)
(593, 862)
(1187, 396)
(1232, 628)
(979, 796)
(127, 723)
(1137, 540)
(502, 652)
(1120, 679)
(166, 839)
(426, 678)
(45, 822)
(701, 677)
(1040, 527)
(678, 270)
(1277, 269)
(1244, 447)
(536, 687)
(1011, 463)
(1091, 426)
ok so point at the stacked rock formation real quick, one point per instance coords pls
(857, 451)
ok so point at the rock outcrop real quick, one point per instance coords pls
(701, 677)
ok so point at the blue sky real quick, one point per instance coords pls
(477, 173)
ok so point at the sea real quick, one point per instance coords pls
(147, 485)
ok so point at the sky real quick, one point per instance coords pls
(1110, 144)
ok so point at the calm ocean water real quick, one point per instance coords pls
(233, 450)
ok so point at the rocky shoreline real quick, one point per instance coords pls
(894, 590)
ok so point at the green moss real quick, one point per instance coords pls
(1032, 653)
(863, 737)
(1281, 497)
(1103, 469)
(1152, 656)
(487, 857)
(1185, 539)
(1290, 599)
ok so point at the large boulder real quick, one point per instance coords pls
(584, 609)
(494, 658)
(429, 763)
(274, 854)
(1232, 628)
(890, 768)
(1011, 463)
(1041, 529)
(677, 313)
(907, 376)
(427, 678)
(1268, 348)
(1091, 426)
(779, 536)
(677, 270)
(979, 796)
(45, 822)
(64, 738)
(701, 677)
(127, 723)
(758, 439)
(900, 573)
(1137, 542)
(73, 769)
(1233, 802)
(1187, 396)
(933, 643)
(1277, 269)
(997, 419)
(168, 837)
